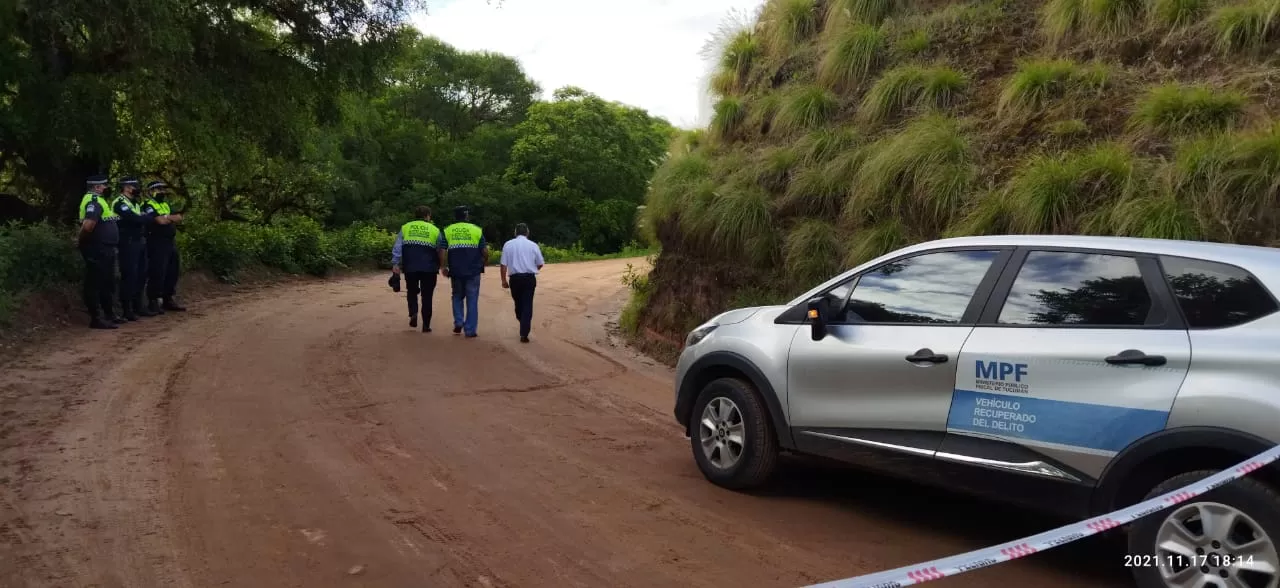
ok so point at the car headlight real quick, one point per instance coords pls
(698, 334)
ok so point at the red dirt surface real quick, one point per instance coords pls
(306, 436)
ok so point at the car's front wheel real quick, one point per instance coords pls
(1226, 538)
(733, 440)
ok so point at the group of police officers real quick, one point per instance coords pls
(458, 253)
(139, 233)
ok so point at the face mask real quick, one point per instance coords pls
(160, 196)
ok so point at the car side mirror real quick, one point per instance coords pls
(817, 316)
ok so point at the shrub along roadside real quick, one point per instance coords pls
(577, 253)
(36, 258)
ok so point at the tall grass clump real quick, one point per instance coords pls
(872, 12)
(805, 107)
(1175, 109)
(1159, 215)
(789, 22)
(1038, 81)
(1059, 18)
(851, 54)
(736, 47)
(912, 86)
(1244, 27)
(1107, 19)
(763, 111)
(812, 251)
(824, 144)
(740, 222)
(1175, 14)
(1241, 206)
(1071, 192)
(1198, 166)
(912, 43)
(672, 183)
(774, 165)
(919, 175)
(740, 54)
(820, 188)
(723, 83)
(1113, 18)
(727, 120)
(876, 240)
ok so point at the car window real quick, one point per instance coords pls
(835, 298)
(1214, 295)
(1061, 288)
(933, 288)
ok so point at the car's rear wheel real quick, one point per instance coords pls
(1227, 538)
(732, 438)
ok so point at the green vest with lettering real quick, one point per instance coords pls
(464, 240)
(157, 234)
(108, 215)
(418, 252)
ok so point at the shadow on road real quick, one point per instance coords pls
(1096, 560)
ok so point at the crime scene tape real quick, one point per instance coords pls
(1018, 548)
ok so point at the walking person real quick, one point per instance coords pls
(415, 254)
(97, 240)
(463, 254)
(521, 261)
(132, 223)
(162, 250)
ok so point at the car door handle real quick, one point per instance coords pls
(1136, 357)
(927, 355)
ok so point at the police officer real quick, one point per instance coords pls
(415, 250)
(97, 240)
(132, 223)
(162, 250)
(463, 254)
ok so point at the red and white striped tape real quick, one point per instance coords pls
(981, 558)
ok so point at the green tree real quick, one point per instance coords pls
(606, 151)
(81, 83)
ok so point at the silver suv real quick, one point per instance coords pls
(1075, 375)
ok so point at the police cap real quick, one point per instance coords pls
(157, 185)
(129, 181)
(97, 180)
(461, 212)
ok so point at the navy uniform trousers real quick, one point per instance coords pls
(133, 271)
(162, 268)
(99, 279)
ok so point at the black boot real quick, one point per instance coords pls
(97, 322)
(413, 321)
(153, 306)
(110, 315)
(169, 304)
(127, 309)
(141, 309)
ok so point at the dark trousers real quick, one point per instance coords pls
(522, 287)
(99, 279)
(133, 272)
(423, 283)
(162, 269)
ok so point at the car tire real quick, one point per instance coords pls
(758, 456)
(1258, 502)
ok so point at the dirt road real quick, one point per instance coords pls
(306, 436)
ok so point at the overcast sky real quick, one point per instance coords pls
(639, 52)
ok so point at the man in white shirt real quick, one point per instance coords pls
(521, 260)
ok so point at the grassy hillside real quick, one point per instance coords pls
(847, 128)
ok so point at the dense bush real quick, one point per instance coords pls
(40, 257)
